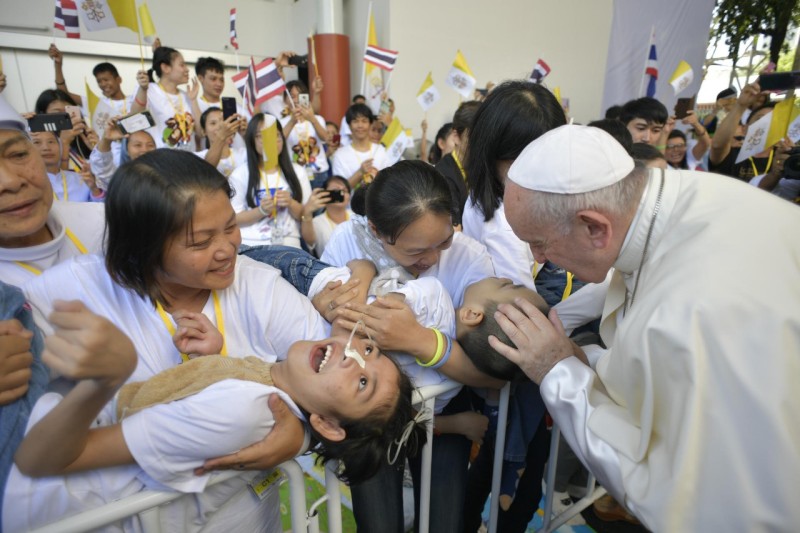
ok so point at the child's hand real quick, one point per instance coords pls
(88, 346)
(196, 335)
(469, 423)
(15, 360)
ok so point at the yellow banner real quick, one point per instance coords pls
(269, 141)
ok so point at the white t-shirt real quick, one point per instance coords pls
(168, 441)
(300, 145)
(114, 108)
(237, 158)
(86, 222)
(262, 314)
(464, 263)
(166, 109)
(76, 188)
(261, 232)
(432, 307)
(347, 160)
(323, 229)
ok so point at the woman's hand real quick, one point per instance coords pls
(283, 198)
(142, 79)
(267, 204)
(193, 89)
(88, 346)
(389, 322)
(281, 444)
(691, 120)
(196, 335)
(334, 295)
(319, 199)
(55, 54)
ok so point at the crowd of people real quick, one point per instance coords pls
(173, 304)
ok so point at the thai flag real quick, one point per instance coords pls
(268, 81)
(240, 82)
(234, 43)
(652, 68)
(66, 18)
(540, 71)
(380, 57)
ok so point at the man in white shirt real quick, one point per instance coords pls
(689, 418)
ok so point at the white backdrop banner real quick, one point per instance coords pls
(682, 29)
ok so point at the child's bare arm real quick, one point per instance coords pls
(89, 348)
(468, 423)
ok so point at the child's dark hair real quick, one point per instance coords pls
(435, 153)
(254, 162)
(404, 192)
(105, 67)
(148, 202)
(205, 64)
(364, 449)
(645, 152)
(648, 109)
(299, 85)
(475, 343)
(163, 55)
(616, 129)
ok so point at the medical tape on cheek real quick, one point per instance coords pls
(353, 353)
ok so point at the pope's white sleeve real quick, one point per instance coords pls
(573, 393)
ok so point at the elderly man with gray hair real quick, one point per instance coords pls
(691, 417)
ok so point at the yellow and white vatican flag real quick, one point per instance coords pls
(793, 131)
(768, 130)
(105, 14)
(428, 94)
(395, 140)
(460, 77)
(682, 77)
(148, 28)
(99, 110)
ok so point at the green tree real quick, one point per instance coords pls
(739, 20)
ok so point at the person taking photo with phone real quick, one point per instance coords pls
(305, 132)
(334, 196)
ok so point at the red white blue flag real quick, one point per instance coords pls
(381, 57)
(540, 71)
(66, 18)
(268, 81)
(234, 42)
(240, 82)
(651, 70)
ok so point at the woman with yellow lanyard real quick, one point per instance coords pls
(67, 185)
(172, 244)
(269, 199)
(170, 106)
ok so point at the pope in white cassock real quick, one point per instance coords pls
(691, 417)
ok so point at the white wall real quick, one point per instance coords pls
(500, 40)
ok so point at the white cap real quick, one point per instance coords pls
(10, 119)
(571, 160)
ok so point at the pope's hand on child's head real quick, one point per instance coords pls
(87, 346)
(15, 360)
(284, 442)
(196, 335)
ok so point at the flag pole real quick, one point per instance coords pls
(388, 81)
(141, 48)
(366, 43)
(647, 59)
(236, 54)
(314, 55)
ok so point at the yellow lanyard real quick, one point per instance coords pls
(567, 289)
(71, 236)
(460, 167)
(64, 186)
(180, 114)
(217, 314)
(769, 164)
